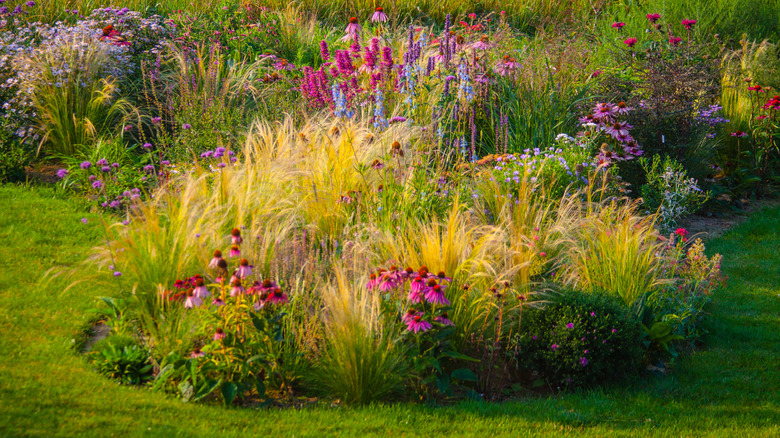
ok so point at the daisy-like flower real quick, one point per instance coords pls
(352, 31)
(85, 165)
(739, 134)
(435, 295)
(418, 285)
(653, 18)
(235, 237)
(756, 88)
(482, 44)
(407, 273)
(618, 129)
(388, 283)
(507, 66)
(267, 286)
(284, 65)
(688, 24)
(416, 324)
(244, 269)
(379, 15)
(217, 301)
(441, 276)
(192, 300)
(604, 111)
(411, 313)
(618, 25)
(443, 319)
(196, 353)
(62, 173)
(235, 251)
(630, 42)
(219, 334)
(623, 108)
(213, 264)
(236, 289)
(277, 297)
(200, 291)
(373, 282)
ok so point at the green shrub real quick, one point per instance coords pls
(117, 341)
(579, 340)
(13, 159)
(122, 359)
(670, 192)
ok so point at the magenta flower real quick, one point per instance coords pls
(379, 15)
(200, 291)
(217, 301)
(196, 353)
(435, 295)
(244, 269)
(85, 165)
(482, 44)
(417, 324)
(630, 42)
(219, 334)
(415, 296)
(507, 66)
(653, 17)
(554, 346)
(739, 134)
(373, 282)
(278, 297)
(186, 126)
(688, 24)
(237, 289)
(682, 232)
(443, 319)
(214, 263)
(147, 145)
(674, 40)
(618, 25)
(418, 285)
(117, 274)
(235, 237)
(604, 111)
(583, 361)
(352, 31)
(409, 315)
(618, 130)
(387, 284)
(62, 173)
(623, 108)
(235, 251)
(192, 300)
(156, 120)
(570, 325)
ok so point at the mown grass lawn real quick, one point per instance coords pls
(730, 387)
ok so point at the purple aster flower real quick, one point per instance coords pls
(554, 346)
(84, 220)
(85, 165)
(97, 184)
(117, 273)
(147, 145)
(61, 173)
(156, 120)
(584, 361)
(570, 325)
(186, 126)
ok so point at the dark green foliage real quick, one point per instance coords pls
(14, 157)
(579, 340)
(124, 361)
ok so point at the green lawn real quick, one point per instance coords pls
(729, 388)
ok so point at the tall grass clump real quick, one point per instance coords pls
(363, 360)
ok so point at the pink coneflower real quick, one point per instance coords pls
(443, 319)
(618, 130)
(217, 301)
(192, 300)
(604, 111)
(219, 334)
(441, 276)
(235, 237)
(618, 25)
(739, 134)
(435, 295)
(277, 297)
(688, 24)
(387, 284)
(675, 40)
(200, 291)
(623, 108)
(756, 88)
(244, 269)
(554, 347)
(373, 282)
(409, 315)
(482, 44)
(418, 285)
(629, 42)
(196, 353)
(417, 324)
(653, 17)
(379, 15)
(267, 286)
(407, 273)
(415, 296)
(507, 66)
(284, 65)
(235, 251)
(236, 289)
(353, 30)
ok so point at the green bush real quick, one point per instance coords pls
(120, 357)
(579, 340)
(13, 159)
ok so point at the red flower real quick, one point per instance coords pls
(630, 42)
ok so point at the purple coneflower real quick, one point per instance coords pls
(353, 30)
(618, 129)
(277, 297)
(739, 134)
(237, 289)
(653, 17)
(214, 263)
(622, 108)
(200, 291)
(235, 251)
(604, 111)
(219, 334)
(583, 361)
(235, 237)
(379, 15)
(482, 44)
(196, 353)
(443, 319)
(435, 295)
(441, 276)
(388, 283)
(244, 269)
(192, 300)
(409, 315)
(217, 301)
(417, 324)
(373, 282)
(507, 66)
